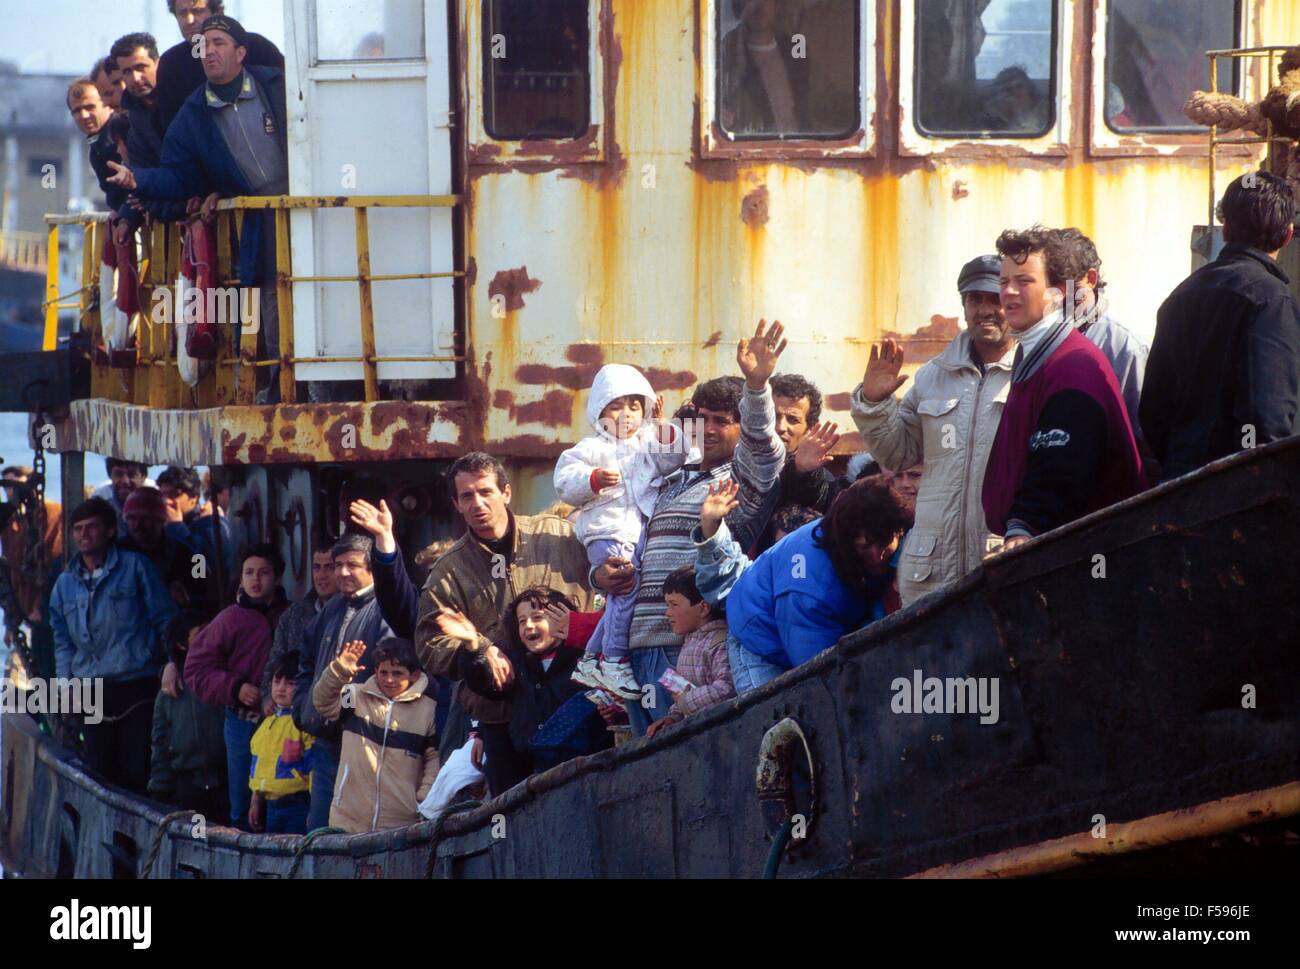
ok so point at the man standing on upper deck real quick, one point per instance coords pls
(230, 137)
(1225, 362)
(180, 69)
(1064, 445)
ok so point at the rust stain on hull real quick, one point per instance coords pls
(753, 208)
(587, 358)
(661, 379)
(512, 284)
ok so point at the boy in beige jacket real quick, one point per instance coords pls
(390, 744)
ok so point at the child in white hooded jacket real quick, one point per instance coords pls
(613, 478)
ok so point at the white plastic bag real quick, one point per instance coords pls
(453, 777)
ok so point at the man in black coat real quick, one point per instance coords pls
(180, 70)
(1224, 368)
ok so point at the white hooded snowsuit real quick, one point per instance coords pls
(610, 522)
(620, 512)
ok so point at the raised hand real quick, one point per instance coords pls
(718, 505)
(757, 356)
(881, 378)
(377, 521)
(453, 623)
(354, 650)
(557, 615)
(815, 449)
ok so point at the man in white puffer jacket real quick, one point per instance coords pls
(613, 477)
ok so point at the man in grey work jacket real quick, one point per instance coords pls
(947, 421)
(1126, 353)
(229, 138)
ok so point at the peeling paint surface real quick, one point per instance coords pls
(628, 245)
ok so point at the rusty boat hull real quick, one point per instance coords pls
(1149, 697)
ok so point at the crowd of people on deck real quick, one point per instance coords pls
(695, 557)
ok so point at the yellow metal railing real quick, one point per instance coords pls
(1270, 138)
(161, 264)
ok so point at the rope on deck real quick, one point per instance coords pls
(302, 848)
(436, 835)
(156, 842)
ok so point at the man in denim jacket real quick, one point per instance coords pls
(109, 611)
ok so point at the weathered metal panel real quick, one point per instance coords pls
(658, 258)
(186, 437)
(1120, 694)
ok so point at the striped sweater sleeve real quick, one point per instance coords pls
(756, 466)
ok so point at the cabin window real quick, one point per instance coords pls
(369, 30)
(788, 69)
(536, 69)
(985, 68)
(1155, 58)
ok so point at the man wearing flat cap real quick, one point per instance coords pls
(947, 421)
(230, 138)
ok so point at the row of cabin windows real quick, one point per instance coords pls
(791, 69)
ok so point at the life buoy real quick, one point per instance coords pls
(198, 266)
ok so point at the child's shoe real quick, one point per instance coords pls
(617, 677)
(587, 672)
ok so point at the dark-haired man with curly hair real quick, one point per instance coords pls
(1064, 446)
(805, 479)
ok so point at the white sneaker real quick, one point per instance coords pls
(587, 672)
(618, 679)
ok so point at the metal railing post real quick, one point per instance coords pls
(284, 303)
(368, 362)
(51, 338)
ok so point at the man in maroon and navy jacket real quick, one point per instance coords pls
(1065, 445)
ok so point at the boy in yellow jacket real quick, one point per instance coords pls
(390, 741)
(280, 776)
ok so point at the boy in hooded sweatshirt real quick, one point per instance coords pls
(280, 773)
(389, 754)
(613, 478)
(225, 664)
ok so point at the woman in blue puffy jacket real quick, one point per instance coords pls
(828, 578)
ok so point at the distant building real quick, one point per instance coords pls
(44, 168)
